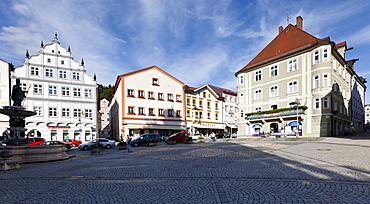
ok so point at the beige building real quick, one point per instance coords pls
(298, 85)
(210, 109)
(104, 118)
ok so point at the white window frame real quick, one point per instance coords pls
(65, 112)
(258, 75)
(49, 72)
(34, 71)
(274, 71)
(88, 93)
(292, 65)
(76, 76)
(38, 110)
(258, 94)
(88, 113)
(316, 56)
(53, 112)
(317, 103)
(292, 87)
(325, 54)
(316, 83)
(62, 74)
(325, 102)
(241, 79)
(76, 92)
(37, 88)
(77, 113)
(52, 90)
(325, 80)
(274, 91)
(65, 91)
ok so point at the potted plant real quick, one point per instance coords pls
(121, 145)
(201, 138)
(150, 142)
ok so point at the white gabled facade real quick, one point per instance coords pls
(4, 95)
(60, 92)
(146, 101)
(104, 118)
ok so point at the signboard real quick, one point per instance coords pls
(80, 130)
(59, 127)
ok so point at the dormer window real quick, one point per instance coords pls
(155, 81)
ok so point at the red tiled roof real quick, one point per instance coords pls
(290, 40)
(341, 44)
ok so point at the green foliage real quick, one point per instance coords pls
(105, 91)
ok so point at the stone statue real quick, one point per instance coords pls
(17, 94)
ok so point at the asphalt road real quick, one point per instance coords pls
(219, 172)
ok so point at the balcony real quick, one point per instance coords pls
(276, 113)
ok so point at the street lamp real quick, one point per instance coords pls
(231, 128)
(296, 104)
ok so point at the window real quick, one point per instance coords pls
(76, 76)
(160, 96)
(141, 111)
(204, 94)
(178, 98)
(76, 92)
(160, 112)
(130, 93)
(317, 103)
(155, 81)
(216, 116)
(208, 115)
(49, 60)
(151, 95)
(258, 75)
(131, 110)
(141, 94)
(325, 55)
(325, 102)
(316, 82)
(316, 57)
(170, 113)
(293, 87)
(52, 112)
(178, 113)
(77, 113)
(52, 90)
(151, 111)
(188, 113)
(37, 88)
(258, 109)
(241, 80)
(326, 80)
(170, 97)
(200, 103)
(65, 112)
(292, 65)
(62, 74)
(241, 113)
(258, 94)
(23, 86)
(194, 102)
(34, 71)
(274, 71)
(274, 107)
(208, 104)
(274, 91)
(38, 110)
(62, 62)
(88, 93)
(48, 72)
(65, 91)
(241, 98)
(188, 101)
(216, 106)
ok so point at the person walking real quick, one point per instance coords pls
(213, 137)
(129, 145)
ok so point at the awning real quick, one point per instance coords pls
(294, 123)
(256, 126)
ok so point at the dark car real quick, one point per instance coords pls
(222, 135)
(178, 137)
(67, 145)
(142, 140)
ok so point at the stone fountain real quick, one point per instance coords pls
(17, 149)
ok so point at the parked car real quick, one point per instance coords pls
(196, 136)
(73, 142)
(105, 143)
(35, 140)
(222, 135)
(67, 145)
(179, 136)
(143, 138)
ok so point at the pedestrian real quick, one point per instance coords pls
(213, 137)
(129, 145)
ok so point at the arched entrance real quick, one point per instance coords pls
(274, 127)
(34, 133)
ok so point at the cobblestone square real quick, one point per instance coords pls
(220, 172)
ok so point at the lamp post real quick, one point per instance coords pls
(231, 128)
(296, 104)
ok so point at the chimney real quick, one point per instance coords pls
(299, 20)
(280, 29)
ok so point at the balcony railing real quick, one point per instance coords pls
(276, 113)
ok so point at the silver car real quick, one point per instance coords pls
(104, 143)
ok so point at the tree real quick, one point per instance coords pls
(105, 91)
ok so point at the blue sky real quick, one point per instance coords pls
(197, 41)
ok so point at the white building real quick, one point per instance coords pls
(367, 117)
(147, 101)
(60, 92)
(210, 109)
(5, 69)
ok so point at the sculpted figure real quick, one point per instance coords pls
(17, 94)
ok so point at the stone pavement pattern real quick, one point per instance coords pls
(220, 172)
